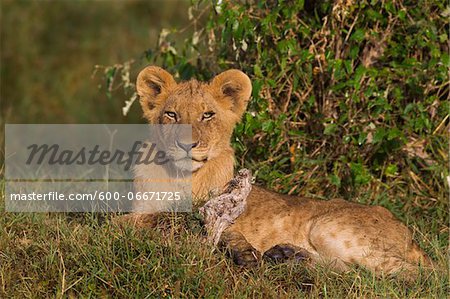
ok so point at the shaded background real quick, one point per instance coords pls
(49, 50)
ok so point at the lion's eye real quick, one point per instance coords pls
(171, 115)
(208, 115)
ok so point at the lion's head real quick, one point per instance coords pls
(212, 109)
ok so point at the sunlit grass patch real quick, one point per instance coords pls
(82, 255)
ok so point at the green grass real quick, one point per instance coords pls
(87, 255)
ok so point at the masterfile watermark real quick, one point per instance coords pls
(53, 154)
(97, 168)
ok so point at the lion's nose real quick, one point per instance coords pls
(187, 147)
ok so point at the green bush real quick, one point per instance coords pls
(348, 97)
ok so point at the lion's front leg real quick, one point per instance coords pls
(242, 252)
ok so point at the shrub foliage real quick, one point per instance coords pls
(348, 96)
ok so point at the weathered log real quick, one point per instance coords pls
(221, 211)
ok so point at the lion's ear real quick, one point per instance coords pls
(153, 84)
(232, 89)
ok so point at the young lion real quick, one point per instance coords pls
(336, 233)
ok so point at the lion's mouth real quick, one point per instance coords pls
(200, 160)
(191, 160)
(192, 163)
(195, 157)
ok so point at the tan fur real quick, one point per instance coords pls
(226, 96)
(333, 233)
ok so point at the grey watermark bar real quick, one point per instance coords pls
(98, 168)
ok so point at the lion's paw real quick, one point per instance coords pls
(286, 252)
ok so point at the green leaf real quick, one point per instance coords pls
(379, 135)
(358, 35)
(393, 133)
(360, 174)
(267, 126)
(257, 70)
(335, 180)
(391, 170)
(362, 138)
(330, 129)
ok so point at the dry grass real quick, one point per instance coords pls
(85, 255)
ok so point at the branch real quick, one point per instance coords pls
(221, 211)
